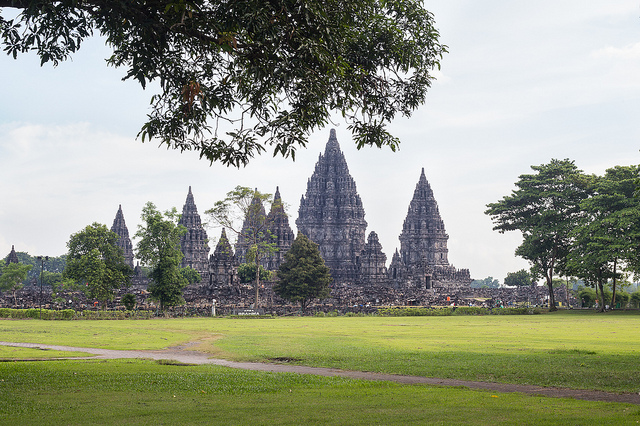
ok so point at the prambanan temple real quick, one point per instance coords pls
(332, 215)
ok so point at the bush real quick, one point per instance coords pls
(414, 312)
(129, 301)
(510, 311)
(471, 310)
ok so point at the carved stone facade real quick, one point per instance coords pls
(194, 244)
(124, 242)
(223, 265)
(280, 232)
(254, 227)
(331, 214)
(423, 258)
(372, 267)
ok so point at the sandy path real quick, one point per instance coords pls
(193, 357)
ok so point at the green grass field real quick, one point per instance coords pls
(580, 350)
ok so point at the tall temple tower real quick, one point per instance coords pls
(223, 265)
(423, 237)
(280, 231)
(253, 226)
(331, 214)
(124, 242)
(194, 244)
(423, 257)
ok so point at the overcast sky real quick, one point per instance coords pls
(523, 82)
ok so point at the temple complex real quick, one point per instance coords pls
(332, 216)
(124, 242)
(194, 243)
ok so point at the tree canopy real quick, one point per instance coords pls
(303, 276)
(12, 276)
(519, 278)
(238, 78)
(159, 248)
(544, 208)
(607, 237)
(95, 258)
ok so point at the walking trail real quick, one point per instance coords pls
(181, 354)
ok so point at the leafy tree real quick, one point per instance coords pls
(587, 296)
(247, 273)
(607, 237)
(129, 301)
(488, 282)
(159, 248)
(635, 299)
(544, 208)
(54, 264)
(239, 77)
(95, 258)
(191, 275)
(246, 206)
(520, 278)
(11, 278)
(303, 276)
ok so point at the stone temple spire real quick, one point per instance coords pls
(423, 238)
(194, 243)
(223, 265)
(331, 214)
(280, 232)
(13, 256)
(124, 242)
(253, 227)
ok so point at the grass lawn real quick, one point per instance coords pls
(145, 392)
(8, 353)
(575, 349)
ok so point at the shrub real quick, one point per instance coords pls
(129, 301)
(471, 310)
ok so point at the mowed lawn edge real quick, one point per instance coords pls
(146, 392)
(579, 349)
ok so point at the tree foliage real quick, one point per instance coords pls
(239, 77)
(12, 276)
(545, 207)
(303, 276)
(54, 264)
(488, 282)
(94, 258)
(247, 273)
(159, 248)
(607, 237)
(520, 278)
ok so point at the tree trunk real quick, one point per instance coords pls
(613, 296)
(552, 297)
(601, 287)
(256, 304)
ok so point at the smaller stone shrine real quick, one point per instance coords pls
(124, 242)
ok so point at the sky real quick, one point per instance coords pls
(523, 83)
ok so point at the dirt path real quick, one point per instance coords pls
(193, 357)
